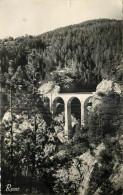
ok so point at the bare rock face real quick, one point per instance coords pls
(107, 92)
(117, 177)
(78, 172)
(106, 103)
(49, 87)
(88, 163)
(108, 87)
(59, 129)
(7, 116)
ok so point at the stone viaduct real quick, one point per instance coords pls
(67, 99)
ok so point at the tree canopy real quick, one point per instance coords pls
(91, 50)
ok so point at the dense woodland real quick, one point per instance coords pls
(89, 51)
(76, 58)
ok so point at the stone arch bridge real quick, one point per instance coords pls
(67, 99)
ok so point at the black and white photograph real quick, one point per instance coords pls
(61, 97)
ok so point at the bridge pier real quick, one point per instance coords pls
(66, 118)
(68, 125)
(82, 114)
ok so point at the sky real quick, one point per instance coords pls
(34, 17)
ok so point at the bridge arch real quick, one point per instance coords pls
(74, 108)
(87, 103)
(46, 102)
(58, 105)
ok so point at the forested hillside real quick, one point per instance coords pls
(80, 55)
(37, 158)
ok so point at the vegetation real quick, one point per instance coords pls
(104, 168)
(85, 53)
(77, 58)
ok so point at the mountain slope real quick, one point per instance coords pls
(90, 51)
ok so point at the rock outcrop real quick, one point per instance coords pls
(108, 87)
(78, 172)
(59, 127)
(106, 109)
(107, 92)
(49, 87)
